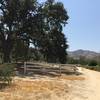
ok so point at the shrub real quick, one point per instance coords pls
(93, 63)
(6, 72)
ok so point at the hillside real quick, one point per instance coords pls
(85, 53)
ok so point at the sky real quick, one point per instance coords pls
(83, 28)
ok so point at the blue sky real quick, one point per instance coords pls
(83, 29)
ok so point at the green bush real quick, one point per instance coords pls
(6, 72)
(92, 63)
(96, 68)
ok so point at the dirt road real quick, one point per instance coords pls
(89, 89)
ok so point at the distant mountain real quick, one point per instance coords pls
(85, 53)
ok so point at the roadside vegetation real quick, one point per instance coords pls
(7, 72)
(93, 64)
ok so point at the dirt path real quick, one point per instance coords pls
(89, 89)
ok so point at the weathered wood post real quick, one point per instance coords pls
(59, 70)
(25, 68)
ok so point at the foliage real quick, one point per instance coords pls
(54, 43)
(14, 23)
(83, 61)
(98, 63)
(20, 51)
(96, 68)
(6, 72)
(92, 63)
(26, 21)
(72, 60)
(35, 54)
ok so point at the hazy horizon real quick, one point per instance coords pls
(83, 50)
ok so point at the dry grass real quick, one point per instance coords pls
(39, 89)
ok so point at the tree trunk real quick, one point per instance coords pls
(6, 57)
(7, 47)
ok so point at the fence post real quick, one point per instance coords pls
(60, 70)
(25, 68)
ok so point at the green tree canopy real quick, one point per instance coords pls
(27, 21)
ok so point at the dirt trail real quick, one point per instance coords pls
(89, 89)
